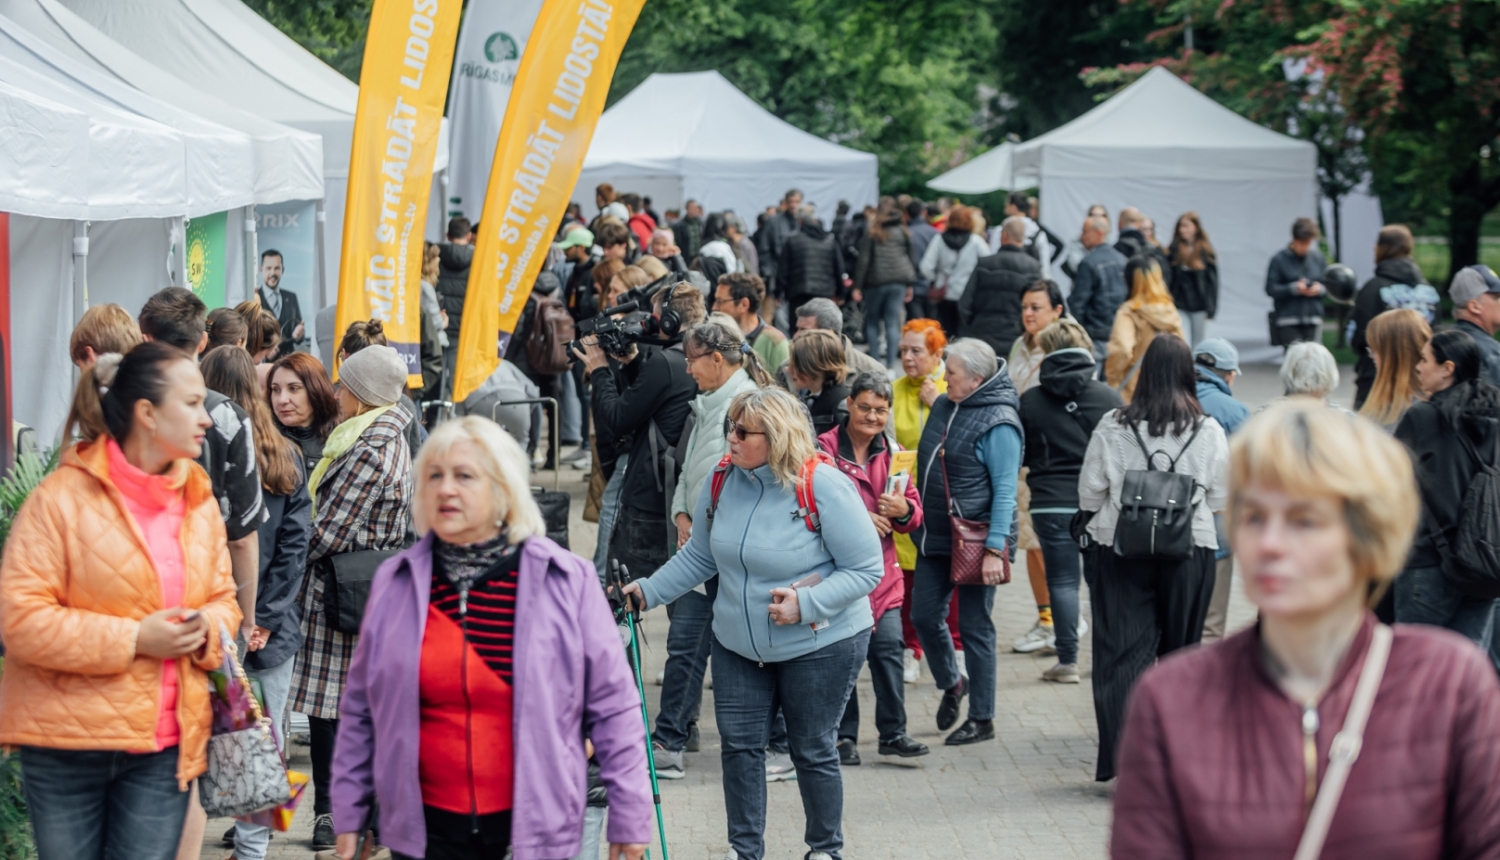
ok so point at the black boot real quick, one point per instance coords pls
(972, 732)
(947, 712)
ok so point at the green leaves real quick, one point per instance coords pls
(17, 485)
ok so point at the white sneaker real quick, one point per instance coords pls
(661, 677)
(1039, 637)
(779, 768)
(1062, 673)
(668, 763)
(911, 667)
(963, 665)
(1083, 627)
(818, 855)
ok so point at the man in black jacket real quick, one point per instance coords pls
(454, 257)
(1293, 283)
(648, 401)
(990, 308)
(1098, 285)
(811, 265)
(771, 239)
(1133, 241)
(282, 304)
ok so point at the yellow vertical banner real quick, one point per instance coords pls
(403, 85)
(556, 101)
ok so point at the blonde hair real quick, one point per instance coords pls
(1304, 448)
(655, 269)
(1147, 286)
(104, 328)
(1397, 336)
(633, 276)
(1064, 333)
(500, 459)
(431, 264)
(819, 353)
(784, 420)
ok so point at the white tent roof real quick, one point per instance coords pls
(992, 171)
(218, 168)
(716, 138)
(1162, 127)
(288, 163)
(44, 156)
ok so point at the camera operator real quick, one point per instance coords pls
(647, 398)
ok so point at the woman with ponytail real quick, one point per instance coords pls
(284, 538)
(115, 584)
(1450, 435)
(723, 364)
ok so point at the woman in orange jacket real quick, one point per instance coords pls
(114, 585)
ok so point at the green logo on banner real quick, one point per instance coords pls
(206, 258)
(501, 47)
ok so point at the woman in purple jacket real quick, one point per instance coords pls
(494, 656)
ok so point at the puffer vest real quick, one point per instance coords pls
(810, 266)
(953, 433)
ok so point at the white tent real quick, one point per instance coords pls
(225, 49)
(1165, 148)
(288, 162)
(694, 136)
(992, 171)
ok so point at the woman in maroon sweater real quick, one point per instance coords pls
(1225, 747)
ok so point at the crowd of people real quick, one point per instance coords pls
(801, 507)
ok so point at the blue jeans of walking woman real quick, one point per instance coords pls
(883, 305)
(689, 639)
(88, 804)
(811, 691)
(931, 591)
(1064, 570)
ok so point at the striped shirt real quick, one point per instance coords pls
(490, 604)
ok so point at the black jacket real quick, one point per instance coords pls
(1282, 274)
(770, 241)
(1444, 468)
(1367, 306)
(810, 264)
(654, 386)
(1058, 436)
(1194, 289)
(284, 539)
(579, 295)
(453, 283)
(889, 262)
(955, 429)
(1132, 243)
(289, 318)
(829, 408)
(990, 308)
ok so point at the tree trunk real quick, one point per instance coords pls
(1467, 207)
(1338, 233)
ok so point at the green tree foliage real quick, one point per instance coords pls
(333, 30)
(899, 79)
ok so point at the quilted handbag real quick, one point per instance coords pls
(967, 561)
(245, 771)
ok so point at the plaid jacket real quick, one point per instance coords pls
(364, 502)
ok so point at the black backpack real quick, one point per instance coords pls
(1156, 508)
(1471, 560)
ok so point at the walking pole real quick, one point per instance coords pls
(619, 574)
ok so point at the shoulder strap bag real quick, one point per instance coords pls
(1345, 748)
(347, 578)
(967, 560)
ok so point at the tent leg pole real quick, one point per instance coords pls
(80, 268)
(321, 222)
(179, 252)
(252, 252)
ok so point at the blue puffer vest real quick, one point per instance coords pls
(954, 431)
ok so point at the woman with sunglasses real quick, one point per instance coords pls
(791, 618)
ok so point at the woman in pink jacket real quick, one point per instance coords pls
(862, 451)
(1229, 751)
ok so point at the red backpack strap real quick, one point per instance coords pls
(807, 501)
(716, 487)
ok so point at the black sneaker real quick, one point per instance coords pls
(902, 745)
(947, 712)
(693, 744)
(848, 755)
(228, 840)
(972, 732)
(323, 837)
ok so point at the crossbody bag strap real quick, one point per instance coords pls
(1345, 748)
(943, 467)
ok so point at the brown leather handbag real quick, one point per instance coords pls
(967, 567)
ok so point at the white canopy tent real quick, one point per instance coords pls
(1165, 148)
(992, 171)
(719, 147)
(225, 49)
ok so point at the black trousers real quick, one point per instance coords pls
(322, 734)
(947, 317)
(1143, 610)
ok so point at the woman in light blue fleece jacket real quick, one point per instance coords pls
(800, 646)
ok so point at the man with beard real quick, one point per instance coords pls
(282, 305)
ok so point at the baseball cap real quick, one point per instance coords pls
(1472, 282)
(577, 237)
(1218, 353)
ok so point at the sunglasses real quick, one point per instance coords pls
(737, 431)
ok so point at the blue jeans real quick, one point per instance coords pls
(930, 594)
(1423, 596)
(101, 805)
(689, 639)
(811, 691)
(885, 676)
(883, 304)
(1060, 553)
(593, 832)
(609, 510)
(252, 840)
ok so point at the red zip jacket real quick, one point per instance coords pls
(869, 479)
(1212, 761)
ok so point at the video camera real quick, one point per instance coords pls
(628, 322)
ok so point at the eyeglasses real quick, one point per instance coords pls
(877, 411)
(737, 431)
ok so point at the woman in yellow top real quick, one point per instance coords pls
(922, 345)
(1147, 313)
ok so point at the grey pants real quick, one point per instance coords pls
(1218, 604)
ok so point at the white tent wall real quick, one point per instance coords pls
(1360, 220)
(666, 192)
(1245, 236)
(41, 319)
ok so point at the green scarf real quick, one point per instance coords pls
(339, 442)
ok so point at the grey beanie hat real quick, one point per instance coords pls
(375, 374)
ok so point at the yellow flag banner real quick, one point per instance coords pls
(403, 84)
(559, 93)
